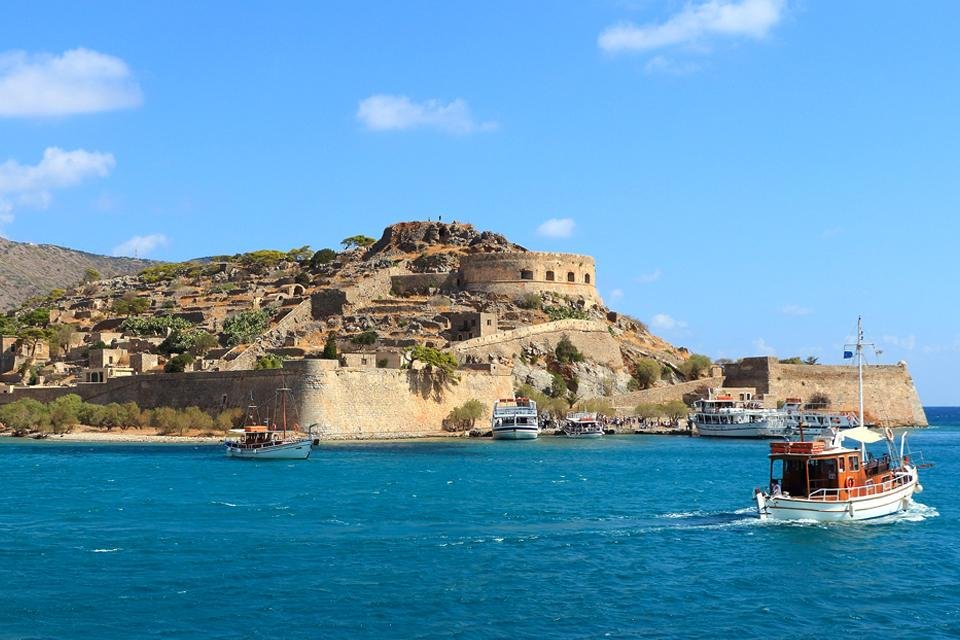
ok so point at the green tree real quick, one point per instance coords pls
(675, 409)
(646, 372)
(441, 362)
(463, 418)
(695, 366)
(39, 317)
(178, 364)
(301, 254)
(65, 412)
(330, 348)
(648, 411)
(558, 386)
(229, 419)
(130, 305)
(811, 360)
(566, 352)
(269, 361)
(793, 360)
(357, 241)
(90, 275)
(601, 406)
(322, 257)
(194, 418)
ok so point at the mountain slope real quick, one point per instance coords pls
(31, 269)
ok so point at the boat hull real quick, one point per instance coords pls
(298, 450)
(584, 436)
(516, 433)
(762, 429)
(846, 510)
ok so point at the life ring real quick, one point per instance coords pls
(850, 483)
(888, 432)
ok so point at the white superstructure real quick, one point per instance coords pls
(724, 417)
(515, 419)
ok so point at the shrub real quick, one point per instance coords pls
(130, 305)
(436, 360)
(322, 257)
(530, 301)
(566, 313)
(818, 400)
(566, 353)
(269, 361)
(154, 325)
(330, 348)
(90, 275)
(695, 366)
(793, 360)
(648, 410)
(675, 409)
(245, 326)
(229, 419)
(646, 372)
(558, 386)
(357, 241)
(366, 338)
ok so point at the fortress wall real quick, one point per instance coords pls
(750, 372)
(504, 274)
(422, 283)
(889, 394)
(390, 403)
(627, 402)
(590, 337)
(346, 403)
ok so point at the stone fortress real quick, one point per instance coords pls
(499, 309)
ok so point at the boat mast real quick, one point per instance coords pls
(860, 364)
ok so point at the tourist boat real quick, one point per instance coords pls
(723, 417)
(269, 440)
(515, 419)
(822, 480)
(813, 422)
(582, 425)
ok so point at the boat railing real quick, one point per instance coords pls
(861, 491)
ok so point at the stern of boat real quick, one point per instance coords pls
(761, 500)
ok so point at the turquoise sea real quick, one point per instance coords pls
(632, 536)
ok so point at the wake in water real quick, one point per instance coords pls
(747, 516)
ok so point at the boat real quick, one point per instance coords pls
(820, 479)
(515, 419)
(813, 422)
(721, 416)
(269, 440)
(582, 425)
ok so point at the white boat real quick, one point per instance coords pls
(723, 417)
(582, 425)
(822, 480)
(813, 422)
(269, 441)
(515, 419)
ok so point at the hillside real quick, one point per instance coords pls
(28, 270)
(474, 294)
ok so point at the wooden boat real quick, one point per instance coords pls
(822, 480)
(582, 425)
(269, 440)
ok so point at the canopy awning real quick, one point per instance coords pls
(862, 434)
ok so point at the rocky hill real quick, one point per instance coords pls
(28, 270)
(537, 315)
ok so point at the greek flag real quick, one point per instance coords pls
(847, 355)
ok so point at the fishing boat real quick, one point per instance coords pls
(269, 440)
(820, 479)
(721, 416)
(515, 419)
(582, 425)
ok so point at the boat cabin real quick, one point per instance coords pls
(515, 412)
(809, 469)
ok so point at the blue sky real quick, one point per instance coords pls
(750, 174)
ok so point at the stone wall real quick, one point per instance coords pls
(422, 283)
(390, 403)
(590, 337)
(515, 274)
(890, 396)
(343, 403)
(627, 402)
(272, 337)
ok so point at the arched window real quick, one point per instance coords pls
(571, 277)
(586, 278)
(526, 274)
(550, 276)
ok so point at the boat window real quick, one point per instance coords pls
(854, 463)
(840, 462)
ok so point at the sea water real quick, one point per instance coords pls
(624, 537)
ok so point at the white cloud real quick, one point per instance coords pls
(647, 278)
(696, 23)
(141, 246)
(79, 81)
(666, 323)
(795, 310)
(669, 66)
(31, 185)
(557, 228)
(398, 113)
(906, 342)
(616, 294)
(761, 346)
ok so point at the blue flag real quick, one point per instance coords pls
(847, 355)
